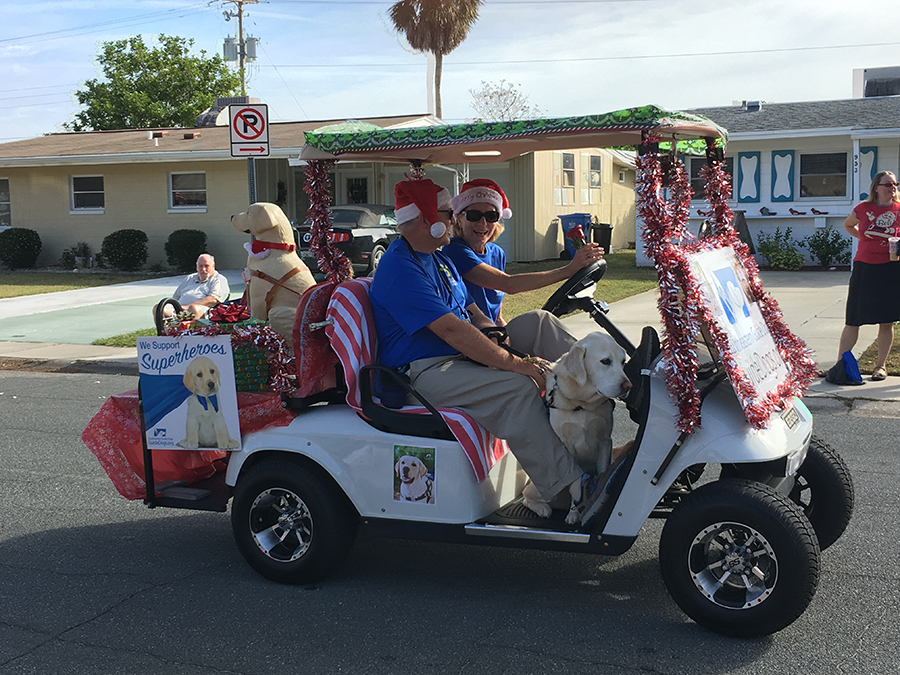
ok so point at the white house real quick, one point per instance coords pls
(802, 165)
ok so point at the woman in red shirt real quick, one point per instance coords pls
(874, 292)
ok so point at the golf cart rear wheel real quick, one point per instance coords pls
(824, 490)
(739, 558)
(290, 522)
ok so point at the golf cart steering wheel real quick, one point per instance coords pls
(562, 301)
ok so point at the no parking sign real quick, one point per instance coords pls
(249, 130)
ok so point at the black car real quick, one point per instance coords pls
(361, 231)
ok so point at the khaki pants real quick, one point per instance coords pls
(507, 404)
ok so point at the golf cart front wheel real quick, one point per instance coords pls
(290, 522)
(739, 558)
(824, 490)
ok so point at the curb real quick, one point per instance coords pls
(98, 367)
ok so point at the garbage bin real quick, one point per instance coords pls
(601, 233)
(570, 221)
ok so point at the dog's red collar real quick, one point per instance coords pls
(258, 246)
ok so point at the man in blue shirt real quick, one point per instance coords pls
(424, 317)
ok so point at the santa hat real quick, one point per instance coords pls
(482, 191)
(414, 198)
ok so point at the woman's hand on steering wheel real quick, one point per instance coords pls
(585, 256)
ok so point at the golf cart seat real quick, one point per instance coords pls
(638, 371)
(351, 331)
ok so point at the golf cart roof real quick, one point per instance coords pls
(498, 141)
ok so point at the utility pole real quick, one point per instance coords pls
(246, 50)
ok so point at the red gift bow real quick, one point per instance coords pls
(230, 313)
(576, 234)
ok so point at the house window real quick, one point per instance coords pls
(823, 175)
(621, 176)
(187, 191)
(5, 216)
(87, 193)
(563, 178)
(698, 184)
(590, 179)
(357, 190)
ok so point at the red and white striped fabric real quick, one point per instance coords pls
(352, 336)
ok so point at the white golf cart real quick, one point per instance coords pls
(724, 448)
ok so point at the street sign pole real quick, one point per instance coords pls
(251, 178)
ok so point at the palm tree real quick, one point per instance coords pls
(435, 26)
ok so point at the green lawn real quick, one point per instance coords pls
(16, 284)
(622, 279)
(126, 339)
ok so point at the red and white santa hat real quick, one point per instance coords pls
(481, 191)
(422, 197)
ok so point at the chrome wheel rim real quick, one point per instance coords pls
(281, 525)
(376, 258)
(733, 565)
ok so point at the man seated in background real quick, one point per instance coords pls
(200, 291)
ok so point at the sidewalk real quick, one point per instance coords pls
(54, 331)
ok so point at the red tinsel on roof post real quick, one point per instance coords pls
(669, 243)
(317, 184)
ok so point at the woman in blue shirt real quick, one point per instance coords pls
(478, 209)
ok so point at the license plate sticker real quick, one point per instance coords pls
(791, 418)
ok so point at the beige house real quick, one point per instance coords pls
(80, 187)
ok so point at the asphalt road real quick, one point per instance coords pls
(91, 583)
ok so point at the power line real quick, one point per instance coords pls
(451, 63)
(86, 29)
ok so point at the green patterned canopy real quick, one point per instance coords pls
(497, 141)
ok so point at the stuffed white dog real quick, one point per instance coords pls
(277, 275)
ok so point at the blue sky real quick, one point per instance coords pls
(331, 59)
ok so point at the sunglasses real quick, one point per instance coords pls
(887, 184)
(447, 213)
(474, 215)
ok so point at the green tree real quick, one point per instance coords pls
(435, 26)
(141, 87)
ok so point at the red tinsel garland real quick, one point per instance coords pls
(317, 184)
(282, 376)
(683, 309)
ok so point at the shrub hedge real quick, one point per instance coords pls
(183, 247)
(19, 247)
(125, 249)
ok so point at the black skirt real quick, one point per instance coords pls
(874, 294)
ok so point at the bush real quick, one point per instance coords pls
(67, 260)
(125, 249)
(19, 247)
(183, 247)
(828, 246)
(779, 250)
(81, 250)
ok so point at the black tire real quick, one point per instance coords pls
(765, 540)
(290, 521)
(824, 490)
(374, 259)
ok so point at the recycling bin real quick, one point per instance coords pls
(569, 222)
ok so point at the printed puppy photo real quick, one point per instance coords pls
(414, 478)
(205, 426)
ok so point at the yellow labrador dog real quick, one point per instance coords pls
(205, 427)
(579, 388)
(415, 484)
